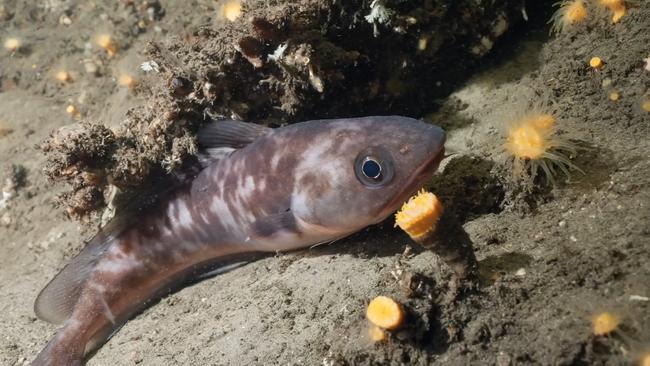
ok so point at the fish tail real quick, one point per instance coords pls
(65, 349)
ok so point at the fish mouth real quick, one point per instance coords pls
(417, 179)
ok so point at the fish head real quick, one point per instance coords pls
(358, 171)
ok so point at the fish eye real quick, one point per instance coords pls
(374, 167)
(371, 168)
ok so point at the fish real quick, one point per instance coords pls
(259, 190)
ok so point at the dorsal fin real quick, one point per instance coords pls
(229, 134)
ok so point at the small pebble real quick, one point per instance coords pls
(504, 359)
(91, 68)
(5, 220)
(65, 20)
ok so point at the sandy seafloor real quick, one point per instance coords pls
(582, 247)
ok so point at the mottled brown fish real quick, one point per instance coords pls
(261, 190)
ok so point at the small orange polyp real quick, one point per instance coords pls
(12, 44)
(596, 63)
(63, 76)
(73, 111)
(418, 217)
(231, 10)
(385, 313)
(604, 323)
(645, 105)
(106, 42)
(127, 80)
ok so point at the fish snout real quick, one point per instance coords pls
(434, 139)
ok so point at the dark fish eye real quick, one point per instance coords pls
(371, 168)
(374, 167)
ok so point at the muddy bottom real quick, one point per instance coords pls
(550, 257)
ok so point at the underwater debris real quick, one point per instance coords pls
(379, 14)
(16, 177)
(532, 144)
(148, 66)
(614, 96)
(418, 217)
(131, 158)
(385, 313)
(569, 13)
(278, 53)
(604, 323)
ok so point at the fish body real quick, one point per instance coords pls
(262, 190)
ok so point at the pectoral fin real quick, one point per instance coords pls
(270, 224)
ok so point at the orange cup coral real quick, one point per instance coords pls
(385, 313)
(418, 217)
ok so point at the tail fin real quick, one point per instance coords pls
(62, 350)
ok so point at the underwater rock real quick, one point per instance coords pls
(280, 62)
